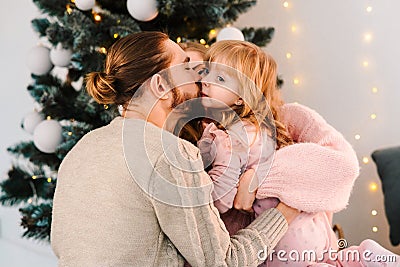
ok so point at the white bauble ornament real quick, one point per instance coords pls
(60, 57)
(142, 10)
(47, 136)
(31, 120)
(230, 33)
(85, 4)
(38, 60)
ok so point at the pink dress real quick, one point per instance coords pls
(315, 175)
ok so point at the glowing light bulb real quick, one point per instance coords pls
(285, 4)
(368, 37)
(69, 9)
(374, 90)
(206, 46)
(374, 213)
(48, 118)
(374, 229)
(294, 28)
(116, 35)
(69, 133)
(365, 63)
(213, 32)
(97, 17)
(103, 50)
(373, 187)
(373, 116)
(369, 9)
(296, 81)
(357, 137)
(179, 39)
(49, 180)
(202, 41)
(365, 160)
(288, 55)
(34, 177)
(30, 201)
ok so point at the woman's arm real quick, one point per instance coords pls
(316, 174)
(198, 232)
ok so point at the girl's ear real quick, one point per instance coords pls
(239, 102)
(157, 87)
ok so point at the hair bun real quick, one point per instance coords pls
(99, 85)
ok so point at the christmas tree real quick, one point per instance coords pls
(76, 35)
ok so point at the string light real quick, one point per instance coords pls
(368, 37)
(202, 41)
(48, 118)
(296, 81)
(97, 17)
(69, 133)
(116, 35)
(294, 28)
(69, 9)
(49, 180)
(374, 212)
(34, 177)
(105, 106)
(285, 4)
(72, 1)
(365, 63)
(374, 229)
(373, 116)
(288, 55)
(103, 50)
(179, 39)
(365, 160)
(206, 46)
(213, 32)
(357, 137)
(30, 200)
(374, 90)
(369, 9)
(373, 187)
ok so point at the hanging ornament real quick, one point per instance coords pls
(85, 5)
(38, 60)
(230, 33)
(77, 85)
(31, 120)
(60, 57)
(47, 136)
(142, 10)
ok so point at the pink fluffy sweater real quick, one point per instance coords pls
(315, 174)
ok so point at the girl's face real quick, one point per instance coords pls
(219, 88)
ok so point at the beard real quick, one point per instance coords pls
(179, 97)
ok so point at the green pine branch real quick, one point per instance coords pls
(36, 220)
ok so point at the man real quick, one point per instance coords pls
(133, 194)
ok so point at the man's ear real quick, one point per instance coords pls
(158, 88)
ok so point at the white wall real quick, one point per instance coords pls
(16, 38)
(328, 50)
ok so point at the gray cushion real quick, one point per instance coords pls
(388, 164)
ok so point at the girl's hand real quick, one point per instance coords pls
(246, 192)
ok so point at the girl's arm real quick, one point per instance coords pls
(317, 173)
(216, 151)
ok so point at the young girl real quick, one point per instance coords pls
(308, 164)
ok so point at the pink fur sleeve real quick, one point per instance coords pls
(316, 174)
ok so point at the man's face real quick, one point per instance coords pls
(183, 76)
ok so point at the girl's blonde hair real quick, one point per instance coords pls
(257, 75)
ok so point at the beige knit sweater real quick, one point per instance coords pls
(105, 214)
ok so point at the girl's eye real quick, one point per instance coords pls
(219, 78)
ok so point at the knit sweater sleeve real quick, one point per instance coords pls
(318, 172)
(197, 230)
